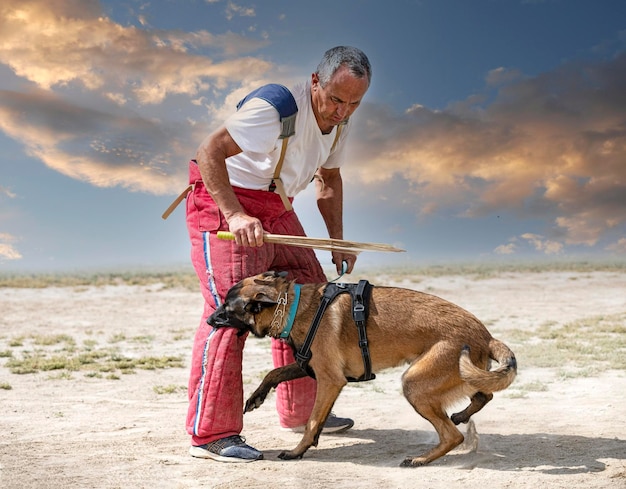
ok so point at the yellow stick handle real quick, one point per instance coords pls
(226, 235)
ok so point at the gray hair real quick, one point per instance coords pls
(334, 58)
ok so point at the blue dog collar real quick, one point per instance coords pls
(292, 312)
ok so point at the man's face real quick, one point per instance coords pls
(335, 102)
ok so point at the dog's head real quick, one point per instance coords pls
(248, 303)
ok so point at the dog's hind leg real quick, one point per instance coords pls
(271, 380)
(427, 384)
(449, 436)
(477, 402)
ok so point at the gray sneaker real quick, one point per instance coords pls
(229, 449)
(334, 424)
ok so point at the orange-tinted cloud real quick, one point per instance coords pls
(84, 112)
(95, 146)
(552, 146)
(59, 42)
(7, 249)
(549, 147)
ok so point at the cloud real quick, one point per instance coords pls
(541, 244)
(232, 9)
(99, 147)
(103, 105)
(507, 249)
(551, 147)
(535, 241)
(7, 192)
(96, 104)
(62, 42)
(7, 250)
(618, 247)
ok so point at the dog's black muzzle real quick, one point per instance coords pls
(222, 319)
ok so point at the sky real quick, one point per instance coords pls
(492, 130)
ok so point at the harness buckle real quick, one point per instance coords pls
(303, 360)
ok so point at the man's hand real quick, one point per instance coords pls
(339, 258)
(247, 230)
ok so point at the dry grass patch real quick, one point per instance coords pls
(580, 348)
(61, 354)
(168, 279)
(184, 277)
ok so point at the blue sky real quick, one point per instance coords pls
(492, 128)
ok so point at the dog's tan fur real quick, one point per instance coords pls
(448, 351)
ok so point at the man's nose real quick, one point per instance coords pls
(343, 110)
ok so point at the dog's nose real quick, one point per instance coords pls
(218, 318)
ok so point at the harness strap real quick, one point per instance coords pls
(360, 300)
(360, 293)
(303, 355)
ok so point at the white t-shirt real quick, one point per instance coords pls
(255, 127)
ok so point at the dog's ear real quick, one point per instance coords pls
(269, 277)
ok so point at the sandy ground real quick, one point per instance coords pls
(75, 431)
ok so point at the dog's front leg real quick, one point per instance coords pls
(327, 394)
(272, 379)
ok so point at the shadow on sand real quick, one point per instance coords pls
(539, 452)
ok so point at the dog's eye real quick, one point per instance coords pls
(253, 307)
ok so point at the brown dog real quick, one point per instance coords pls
(448, 350)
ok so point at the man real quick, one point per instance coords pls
(231, 175)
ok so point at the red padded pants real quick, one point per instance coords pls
(215, 382)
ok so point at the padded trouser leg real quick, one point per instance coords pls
(216, 394)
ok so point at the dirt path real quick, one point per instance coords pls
(71, 431)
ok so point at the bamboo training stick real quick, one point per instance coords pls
(319, 243)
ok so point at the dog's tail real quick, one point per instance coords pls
(489, 381)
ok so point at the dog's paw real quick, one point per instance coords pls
(412, 462)
(458, 418)
(252, 404)
(289, 456)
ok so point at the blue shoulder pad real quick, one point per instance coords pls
(282, 100)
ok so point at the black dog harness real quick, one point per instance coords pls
(360, 293)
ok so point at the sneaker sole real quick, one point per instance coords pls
(337, 430)
(198, 452)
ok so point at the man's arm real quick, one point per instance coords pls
(211, 157)
(329, 189)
